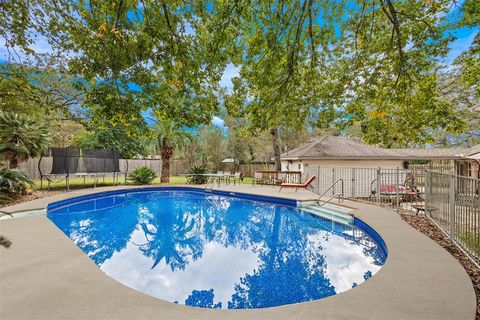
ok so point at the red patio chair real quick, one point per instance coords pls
(306, 185)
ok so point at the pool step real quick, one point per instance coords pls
(337, 214)
(327, 205)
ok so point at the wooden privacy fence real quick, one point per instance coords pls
(30, 167)
(177, 167)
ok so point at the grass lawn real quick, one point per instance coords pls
(78, 183)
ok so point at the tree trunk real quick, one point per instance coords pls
(165, 178)
(167, 153)
(13, 163)
(276, 148)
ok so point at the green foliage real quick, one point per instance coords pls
(197, 179)
(117, 45)
(142, 175)
(22, 137)
(208, 148)
(365, 59)
(40, 88)
(469, 61)
(113, 137)
(387, 121)
(368, 64)
(13, 184)
(168, 137)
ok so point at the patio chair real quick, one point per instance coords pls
(280, 178)
(236, 177)
(257, 177)
(307, 185)
(222, 176)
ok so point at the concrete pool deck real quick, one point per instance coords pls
(44, 275)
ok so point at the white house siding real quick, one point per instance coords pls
(300, 165)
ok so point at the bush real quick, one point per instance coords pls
(13, 184)
(197, 179)
(142, 175)
(22, 137)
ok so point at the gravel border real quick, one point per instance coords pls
(33, 195)
(427, 227)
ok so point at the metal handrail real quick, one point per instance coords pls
(340, 196)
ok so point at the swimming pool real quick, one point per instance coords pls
(216, 250)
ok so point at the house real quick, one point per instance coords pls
(334, 151)
(469, 166)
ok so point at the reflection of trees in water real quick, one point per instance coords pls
(202, 298)
(292, 268)
(238, 225)
(176, 227)
(374, 252)
(99, 233)
(171, 233)
(355, 237)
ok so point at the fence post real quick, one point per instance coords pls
(318, 179)
(451, 208)
(353, 183)
(379, 176)
(333, 181)
(397, 182)
(428, 190)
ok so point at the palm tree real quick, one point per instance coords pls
(22, 137)
(13, 183)
(169, 136)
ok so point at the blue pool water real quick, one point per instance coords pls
(217, 251)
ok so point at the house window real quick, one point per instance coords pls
(299, 167)
(469, 169)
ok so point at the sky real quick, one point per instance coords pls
(464, 39)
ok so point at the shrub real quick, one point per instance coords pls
(22, 137)
(13, 184)
(142, 175)
(197, 179)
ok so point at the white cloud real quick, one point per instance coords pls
(218, 122)
(134, 270)
(231, 71)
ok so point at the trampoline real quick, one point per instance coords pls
(72, 162)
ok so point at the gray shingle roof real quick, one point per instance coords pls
(473, 150)
(332, 147)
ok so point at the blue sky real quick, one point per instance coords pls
(464, 37)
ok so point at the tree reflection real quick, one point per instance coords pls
(291, 269)
(176, 227)
(94, 232)
(171, 233)
(202, 298)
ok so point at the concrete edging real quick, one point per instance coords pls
(46, 276)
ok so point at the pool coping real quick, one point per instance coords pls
(420, 280)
